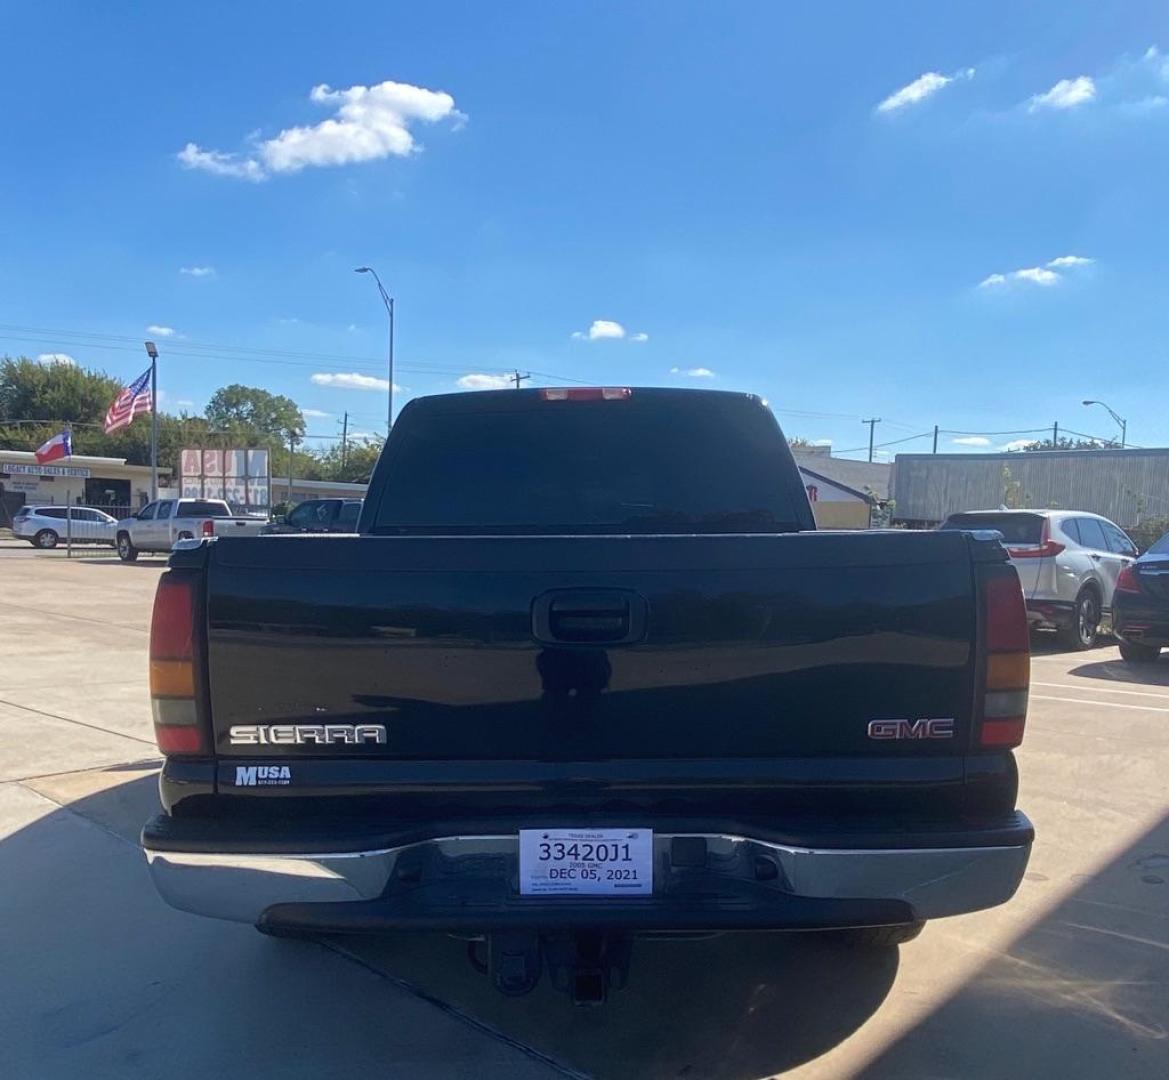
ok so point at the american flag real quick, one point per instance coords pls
(129, 403)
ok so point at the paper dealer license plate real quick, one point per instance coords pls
(586, 862)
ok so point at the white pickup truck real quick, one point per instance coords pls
(160, 524)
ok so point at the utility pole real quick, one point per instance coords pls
(291, 454)
(1055, 435)
(517, 378)
(935, 438)
(152, 352)
(388, 301)
(345, 441)
(872, 430)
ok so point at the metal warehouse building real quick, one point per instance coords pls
(1124, 486)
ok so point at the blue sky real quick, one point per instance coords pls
(720, 180)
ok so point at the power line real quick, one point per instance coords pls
(882, 445)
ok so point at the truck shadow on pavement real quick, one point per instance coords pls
(1153, 674)
(739, 1006)
(115, 983)
(1082, 993)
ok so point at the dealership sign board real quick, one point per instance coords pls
(45, 470)
(239, 476)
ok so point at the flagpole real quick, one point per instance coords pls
(152, 352)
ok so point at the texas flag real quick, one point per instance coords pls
(59, 446)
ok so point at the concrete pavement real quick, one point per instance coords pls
(98, 977)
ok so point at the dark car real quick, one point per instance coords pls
(318, 516)
(1141, 605)
(587, 672)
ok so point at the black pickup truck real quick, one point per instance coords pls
(587, 672)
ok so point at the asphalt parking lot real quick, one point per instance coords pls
(98, 978)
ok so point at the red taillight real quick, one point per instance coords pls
(1128, 581)
(172, 667)
(1008, 666)
(1047, 547)
(172, 626)
(1006, 614)
(586, 393)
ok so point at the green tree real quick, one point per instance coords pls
(1066, 444)
(1148, 532)
(53, 392)
(252, 411)
(355, 465)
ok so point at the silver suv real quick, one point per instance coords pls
(47, 526)
(1068, 563)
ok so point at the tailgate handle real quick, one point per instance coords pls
(589, 617)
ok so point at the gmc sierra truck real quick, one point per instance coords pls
(588, 672)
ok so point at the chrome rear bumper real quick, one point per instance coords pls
(933, 881)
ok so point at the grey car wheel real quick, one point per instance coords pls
(1081, 632)
(127, 552)
(46, 539)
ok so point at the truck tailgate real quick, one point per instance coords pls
(593, 647)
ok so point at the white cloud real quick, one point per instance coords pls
(55, 358)
(219, 164)
(1065, 94)
(602, 329)
(694, 372)
(972, 440)
(160, 331)
(369, 123)
(480, 381)
(351, 380)
(197, 271)
(1018, 444)
(821, 442)
(607, 330)
(315, 414)
(184, 403)
(922, 87)
(1037, 275)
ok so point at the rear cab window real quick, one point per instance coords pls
(1017, 529)
(653, 462)
(200, 508)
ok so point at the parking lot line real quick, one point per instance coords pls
(1103, 690)
(1098, 704)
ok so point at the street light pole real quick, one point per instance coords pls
(1118, 419)
(388, 300)
(152, 352)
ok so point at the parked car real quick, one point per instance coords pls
(588, 672)
(159, 525)
(1068, 563)
(1141, 606)
(318, 516)
(46, 526)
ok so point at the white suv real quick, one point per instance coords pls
(1068, 563)
(47, 526)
